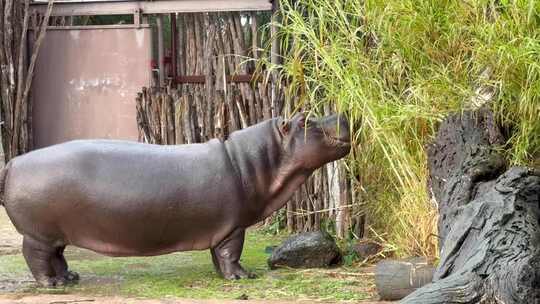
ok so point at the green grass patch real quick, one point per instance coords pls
(192, 275)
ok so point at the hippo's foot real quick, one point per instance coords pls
(68, 278)
(52, 282)
(71, 277)
(236, 272)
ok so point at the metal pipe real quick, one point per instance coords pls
(174, 48)
(161, 51)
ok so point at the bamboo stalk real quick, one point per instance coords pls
(208, 71)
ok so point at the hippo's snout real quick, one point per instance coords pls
(336, 129)
(314, 142)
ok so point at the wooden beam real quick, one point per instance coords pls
(94, 27)
(125, 7)
(202, 78)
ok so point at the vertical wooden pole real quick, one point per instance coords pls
(274, 58)
(254, 36)
(210, 28)
(161, 51)
(290, 216)
(182, 42)
(343, 211)
(174, 48)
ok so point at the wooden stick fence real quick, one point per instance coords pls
(165, 116)
(16, 73)
(216, 94)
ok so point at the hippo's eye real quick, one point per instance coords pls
(302, 122)
(284, 127)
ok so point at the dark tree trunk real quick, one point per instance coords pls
(489, 221)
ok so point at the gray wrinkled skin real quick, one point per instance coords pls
(131, 199)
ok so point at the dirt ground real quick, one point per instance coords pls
(10, 243)
(74, 299)
(10, 240)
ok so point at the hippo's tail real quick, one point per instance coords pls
(3, 174)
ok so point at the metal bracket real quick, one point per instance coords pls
(137, 17)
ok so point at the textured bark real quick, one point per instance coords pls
(16, 72)
(462, 156)
(489, 218)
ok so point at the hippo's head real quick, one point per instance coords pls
(312, 142)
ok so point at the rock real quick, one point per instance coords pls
(306, 250)
(366, 249)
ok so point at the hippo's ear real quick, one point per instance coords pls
(284, 126)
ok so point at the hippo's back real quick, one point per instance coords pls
(123, 198)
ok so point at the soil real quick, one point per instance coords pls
(79, 299)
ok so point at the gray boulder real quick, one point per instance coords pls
(367, 249)
(306, 250)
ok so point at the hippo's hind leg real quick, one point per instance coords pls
(216, 262)
(38, 256)
(44, 262)
(60, 266)
(226, 256)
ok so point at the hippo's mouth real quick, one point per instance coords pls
(338, 142)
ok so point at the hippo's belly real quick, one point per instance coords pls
(149, 227)
(124, 199)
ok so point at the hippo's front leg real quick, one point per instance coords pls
(226, 256)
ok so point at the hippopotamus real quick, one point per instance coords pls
(121, 198)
